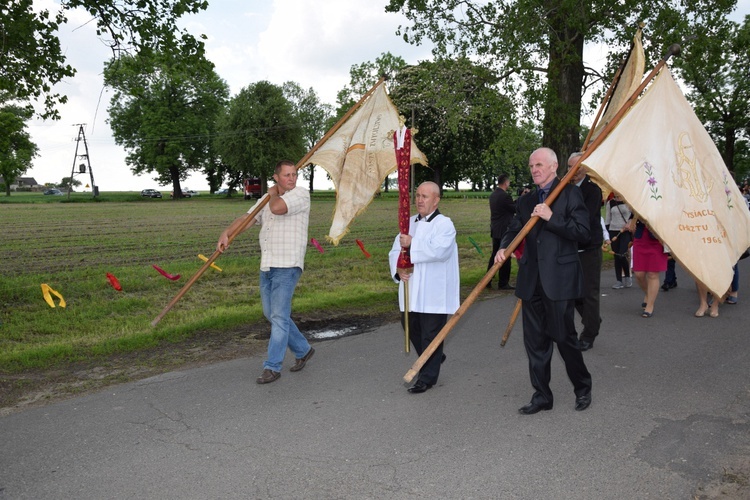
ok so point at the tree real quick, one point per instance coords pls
(258, 129)
(69, 183)
(31, 61)
(363, 76)
(459, 113)
(163, 111)
(716, 70)
(312, 114)
(537, 46)
(16, 148)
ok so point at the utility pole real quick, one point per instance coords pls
(82, 167)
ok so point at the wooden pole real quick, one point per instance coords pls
(512, 322)
(262, 203)
(440, 337)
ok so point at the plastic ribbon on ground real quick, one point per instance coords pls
(362, 247)
(46, 291)
(113, 281)
(471, 240)
(316, 244)
(172, 277)
(205, 259)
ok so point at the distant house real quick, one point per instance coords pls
(24, 183)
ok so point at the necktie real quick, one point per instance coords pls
(542, 195)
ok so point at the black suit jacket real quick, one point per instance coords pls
(550, 253)
(592, 197)
(502, 208)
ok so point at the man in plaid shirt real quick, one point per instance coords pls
(283, 242)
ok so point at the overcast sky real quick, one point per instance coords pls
(312, 43)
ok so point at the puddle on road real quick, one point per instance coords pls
(333, 333)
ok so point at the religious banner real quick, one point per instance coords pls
(358, 158)
(662, 161)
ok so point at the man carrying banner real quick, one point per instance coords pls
(283, 242)
(550, 279)
(433, 283)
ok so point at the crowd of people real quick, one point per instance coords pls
(559, 269)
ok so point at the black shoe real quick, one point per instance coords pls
(419, 387)
(665, 286)
(442, 360)
(673, 284)
(585, 345)
(506, 287)
(583, 402)
(532, 408)
(489, 286)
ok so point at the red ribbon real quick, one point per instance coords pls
(166, 274)
(316, 244)
(113, 281)
(362, 247)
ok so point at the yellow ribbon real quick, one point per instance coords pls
(46, 290)
(205, 259)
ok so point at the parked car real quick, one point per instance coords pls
(253, 188)
(54, 192)
(191, 192)
(151, 193)
(185, 194)
(224, 191)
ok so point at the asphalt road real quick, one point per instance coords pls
(670, 419)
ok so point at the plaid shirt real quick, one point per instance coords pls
(283, 238)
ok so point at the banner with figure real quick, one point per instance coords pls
(359, 156)
(665, 165)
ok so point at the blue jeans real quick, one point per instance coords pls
(276, 290)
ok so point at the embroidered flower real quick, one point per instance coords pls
(728, 192)
(651, 181)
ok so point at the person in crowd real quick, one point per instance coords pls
(734, 290)
(616, 216)
(670, 276)
(283, 243)
(502, 208)
(708, 302)
(433, 281)
(590, 254)
(649, 259)
(550, 278)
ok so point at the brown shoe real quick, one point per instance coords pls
(299, 363)
(268, 376)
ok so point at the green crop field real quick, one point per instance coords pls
(71, 245)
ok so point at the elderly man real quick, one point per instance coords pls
(433, 282)
(550, 279)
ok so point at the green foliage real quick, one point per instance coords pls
(363, 76)
(537, 47)
(31, 60)
(716, 70)
(459, 113)
(163, 111)
(314, 117)
(259, 128)
(16, 148)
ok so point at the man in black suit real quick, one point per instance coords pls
(502, 209)
(550, 279)
(590, 254)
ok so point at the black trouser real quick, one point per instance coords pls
(503, 274)
(621, 247)
(546, 321)
(423, 328)
(588, 305)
